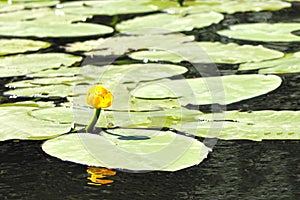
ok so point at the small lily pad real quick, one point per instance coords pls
(48, 23)
(56, 72)
(122, 44)
(219, 53)
(158, 150)
(228, 6)
(10, 46)
(20, 65)
(288, 64)
(166, 23)
(28, 128)
(115, 7)
(199, 91)
(277, 32)
(255, 125)
(15, 5)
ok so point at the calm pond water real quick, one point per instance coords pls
(234, 170)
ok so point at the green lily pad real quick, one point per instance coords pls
(288, 64)
(48, 23)
(228, 6)
(166, 23)
(10, 46)
(277, 32)
(122, 44)
(29, 128)
(42, 91)
(47, 81)
(59, 115)
(222, 90)
(20, 65)
(129, 149)
(255, 125)
(115, 7)
(57, 72)
(219, 53)
(131, 73)
(5, 6)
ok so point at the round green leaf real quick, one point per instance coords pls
(167, 23)
(219, 53)
(228, 6)
(29, 128)
(130, 149)
(277, 32)
(10, 46)
(288, 64)
(255, 125)
(121, 44)
(222, 90)
(115, 7)
(5, 6)
(20, 65)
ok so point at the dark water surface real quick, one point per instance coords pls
(234, 170)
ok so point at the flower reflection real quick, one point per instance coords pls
(97, 175)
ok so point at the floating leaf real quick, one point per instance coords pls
(20, 65)
(222, 90)
(288, 64)
(277, 32)
(48, 81)
(10, 46)
(255, 125)
(122, 44)
(130, 149)
(115, 7)
(58, 72)
(28, 128)
(47, 23)
(42, 91)
(21, 4)
(228, 6)
(166, 23)
(219, 53)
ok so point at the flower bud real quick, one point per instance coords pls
(99, 97)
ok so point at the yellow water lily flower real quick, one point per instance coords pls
(99, 97)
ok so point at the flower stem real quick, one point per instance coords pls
(90, 127)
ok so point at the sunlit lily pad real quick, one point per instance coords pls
(222, 90)
(138, 150)
(42, 91)
(167, 23)
(28, 128)
(48, 81)
(5, 6)
(48, 23)
(20, 65)
(57, 72)
(288, 64)
(122, 44)
(277, 32)
(10, 46)
(228, 6)
(219, 53)
(109, 7)
(255, 125)
(131, 73)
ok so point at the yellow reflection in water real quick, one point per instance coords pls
(97, 175)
